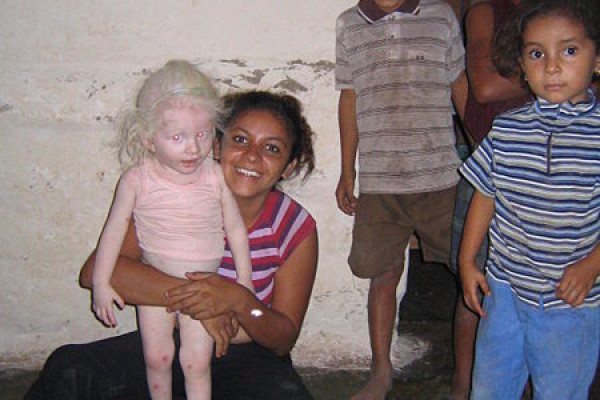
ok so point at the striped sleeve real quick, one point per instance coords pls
(478, 168)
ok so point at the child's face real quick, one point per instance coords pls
(183, 139)
(558, 59)
(388, 5)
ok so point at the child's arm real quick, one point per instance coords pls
(111, 239)
(476, 227)
(349, 144)
(579, 278)
(236, 232)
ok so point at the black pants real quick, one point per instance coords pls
(113, 369)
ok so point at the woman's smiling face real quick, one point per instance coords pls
(254, 153)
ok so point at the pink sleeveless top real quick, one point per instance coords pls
(181, 222)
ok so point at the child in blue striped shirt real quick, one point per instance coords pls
(537, 181)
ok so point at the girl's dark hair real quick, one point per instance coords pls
(284, 107)
(507, 44)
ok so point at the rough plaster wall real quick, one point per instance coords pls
(67, 68)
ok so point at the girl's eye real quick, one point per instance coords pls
(176, 138)
(536, 54)
(570, 51)
(201, 134)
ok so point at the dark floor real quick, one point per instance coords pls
(426, 313)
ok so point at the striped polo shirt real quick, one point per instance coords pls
(281, 227)
(541, 164)
(401, 67)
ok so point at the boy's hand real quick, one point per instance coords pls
(103, 298)
(345, 194)
(576, 282)
(472, 281)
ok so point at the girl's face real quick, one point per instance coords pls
(182, 141)
(558, 59)
(254, 154)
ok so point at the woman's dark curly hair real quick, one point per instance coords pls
(284, 107)
(507, 44)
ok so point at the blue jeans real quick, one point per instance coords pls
(114, 368)
(558, 348)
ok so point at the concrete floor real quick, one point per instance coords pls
(426, 313)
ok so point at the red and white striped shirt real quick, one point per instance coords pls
(281, 227)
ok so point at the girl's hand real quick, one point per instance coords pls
(103, 298)
(206, 296)
(473, 280)
(222, 329)
(576, 282)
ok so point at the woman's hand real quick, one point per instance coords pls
(206, 296)
(222, 329)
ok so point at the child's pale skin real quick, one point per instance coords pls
(178, 152)
(559, 61)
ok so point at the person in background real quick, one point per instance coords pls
(396, 63)
(265, 139)
(536, 177)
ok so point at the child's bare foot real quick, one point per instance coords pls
(378, 386)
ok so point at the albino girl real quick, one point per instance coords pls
(181, 208)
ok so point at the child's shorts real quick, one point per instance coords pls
(558, 348)
(384, 224)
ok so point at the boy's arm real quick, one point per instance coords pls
(579, 278)
(476, 227)
(236, 232)
(348, 144)
(486, 84)
(109, 245)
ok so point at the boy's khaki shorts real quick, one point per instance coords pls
(384, 223)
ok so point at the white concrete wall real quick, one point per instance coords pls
(66, 68)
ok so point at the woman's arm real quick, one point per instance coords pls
(485, 82)
(141, 284)
(276, 328)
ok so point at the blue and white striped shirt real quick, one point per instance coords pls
(541, 164)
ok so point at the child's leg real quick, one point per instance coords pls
(195, 357)
(156, 326)
(500, 371)
(562, 351)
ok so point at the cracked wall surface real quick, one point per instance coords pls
(67, 70)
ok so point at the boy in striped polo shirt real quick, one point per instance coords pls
(396, 62)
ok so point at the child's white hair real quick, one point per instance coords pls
(177, 82)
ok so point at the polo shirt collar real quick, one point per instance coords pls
(371, 13)
(566, 110)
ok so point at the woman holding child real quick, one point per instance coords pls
(265, 139)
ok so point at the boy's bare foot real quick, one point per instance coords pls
(378, 386)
